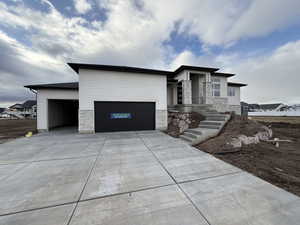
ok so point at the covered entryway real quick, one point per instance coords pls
(62, 113)
(124, 116)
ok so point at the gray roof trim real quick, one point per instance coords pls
(236, 84)
(77, 66)
(69, 86)
(223, 74)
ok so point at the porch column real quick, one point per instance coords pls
(186, 92)
(208, 98)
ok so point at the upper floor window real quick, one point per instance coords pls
(231, 91)
(216, 87)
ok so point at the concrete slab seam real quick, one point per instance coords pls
(126, 192)
(39, 208)
(193, 204)
(205, 178)
(46, 160)
(88, 177)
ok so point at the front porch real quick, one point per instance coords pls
(195, 91)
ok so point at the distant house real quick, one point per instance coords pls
(16, 107)
(265, 107)
(29, 108)
(2, 110)
(250, 107)
(271, 107)
(25, 110)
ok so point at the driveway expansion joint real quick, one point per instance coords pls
(88, 177)
(176, 183)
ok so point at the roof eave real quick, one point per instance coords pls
(77, 66)
(223, 74)
(195, 68)
(237, 84)
(74, 67)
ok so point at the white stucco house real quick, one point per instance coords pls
(119, 98)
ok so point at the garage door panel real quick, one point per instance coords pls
(124, 116)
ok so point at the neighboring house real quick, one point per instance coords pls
(16, 107)
(254, 107)
(119, 98)
(26, 110)
(29, 108)
(2, 110)
(271, 107)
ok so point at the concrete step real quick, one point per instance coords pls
(191, 134)
(208, 122)
(216, 118)
(187, 138)
(214, 114)
(209, 126)
(194, 131)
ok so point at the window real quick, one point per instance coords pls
(231, 91)
(216, 87)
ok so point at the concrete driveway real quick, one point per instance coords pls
(130, 178)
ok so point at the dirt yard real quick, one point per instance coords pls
(279, 166)
(10, 129)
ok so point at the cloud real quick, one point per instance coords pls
(22, 66)
(274, 77)
(263, 17)
(82, 6)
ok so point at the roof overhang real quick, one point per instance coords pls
(77, 66)
(223, 74)
(195, 68)
(236, 84)
(65, 86)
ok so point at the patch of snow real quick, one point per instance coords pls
(276, 113)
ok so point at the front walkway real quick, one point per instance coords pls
(131, 178)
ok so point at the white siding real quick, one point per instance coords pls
(42, 103)
(223, 84)
(95, 85)
(235, 100)
(98, 85)
(183, 75)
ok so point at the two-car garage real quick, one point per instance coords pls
(109, 116)
(105, 99)
(124, 116)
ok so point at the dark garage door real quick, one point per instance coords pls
(124, 116)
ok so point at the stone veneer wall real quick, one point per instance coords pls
(220, 104)
(86, 121)
(178, 122)
(235, 108)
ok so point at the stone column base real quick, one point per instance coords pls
(235, 108)
(161, 119)
(86, 122)
(42, 130)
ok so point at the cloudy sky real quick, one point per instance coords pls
(259, 40)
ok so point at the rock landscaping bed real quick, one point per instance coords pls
(178, 122)
(277, 165)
